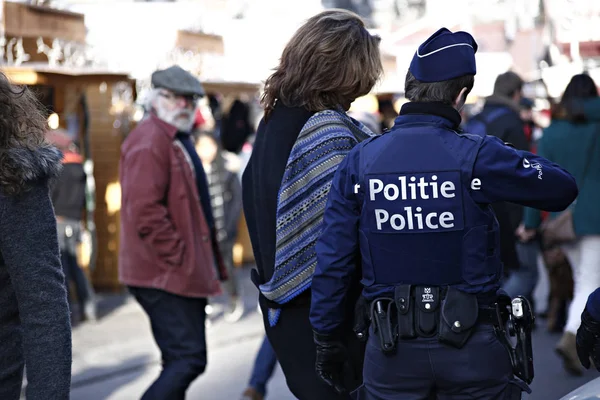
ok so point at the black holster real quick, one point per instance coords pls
(515, 318)
(458, 317)
(523, 322)
(383, 323)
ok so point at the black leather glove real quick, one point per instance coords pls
(331, 357)
(588, 341)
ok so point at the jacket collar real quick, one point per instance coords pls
(428, 113)
(21, 165)
(499, 100)
(164, 127)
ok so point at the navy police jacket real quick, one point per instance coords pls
(412, 206)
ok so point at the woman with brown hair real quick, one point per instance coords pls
(305, 133)
(35, 329)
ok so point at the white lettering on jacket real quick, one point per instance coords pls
(408, 203)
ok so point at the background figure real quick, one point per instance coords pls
(217, 113)
(264, 367)
(572, 140)
(34, 314)
(168, 239)
(226, 199)
(236, 126)
(523, 277)
(68, 198)
(501, 116)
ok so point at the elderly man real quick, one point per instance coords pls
(169, 256)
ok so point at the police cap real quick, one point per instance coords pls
(177, 80)
(445, 55)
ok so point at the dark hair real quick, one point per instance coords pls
(508, 84)
(444, 92)
(581, 86)
(22, 125)
(330, 61)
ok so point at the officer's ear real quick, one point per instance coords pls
(460, 100)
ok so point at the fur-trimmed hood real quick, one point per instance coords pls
(20, 167)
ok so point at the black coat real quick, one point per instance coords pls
(262, 179)
(236, 127)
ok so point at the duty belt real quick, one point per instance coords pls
(429, 311)
(451, 316)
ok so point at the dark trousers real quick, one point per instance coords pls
(423, 369)
(264, 366)
(73, 273)
(231, 285)
(69, 233)
(292, 340)
(178, 327)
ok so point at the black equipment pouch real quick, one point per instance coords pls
(522, 316)
(362, 319)
(457, 318)
(406, 322)
(427, 300)
(381, 317)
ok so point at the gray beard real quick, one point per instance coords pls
(181, 119)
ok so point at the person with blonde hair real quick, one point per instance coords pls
(329, 62)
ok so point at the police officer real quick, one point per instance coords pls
(411, 208)
(588, 334)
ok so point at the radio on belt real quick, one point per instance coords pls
(517, 308)
(519, 325)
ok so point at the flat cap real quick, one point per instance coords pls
(177, 80)
(445, 55)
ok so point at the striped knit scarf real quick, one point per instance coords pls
(322, 144)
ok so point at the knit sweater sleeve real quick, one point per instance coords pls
(29, 247)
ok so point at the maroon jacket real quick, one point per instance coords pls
(165, 240)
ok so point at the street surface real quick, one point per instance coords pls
(116, 358)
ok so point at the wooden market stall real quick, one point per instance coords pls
(45, 49)
(96, 106)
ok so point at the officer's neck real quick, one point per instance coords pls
(432, 108)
